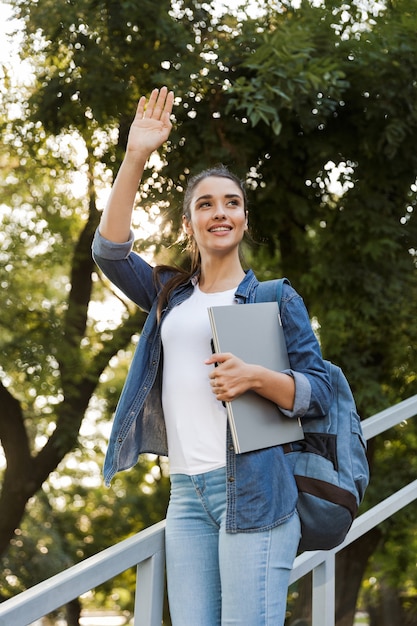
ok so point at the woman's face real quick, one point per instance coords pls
(218, 217)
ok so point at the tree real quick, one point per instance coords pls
(52, 362)
(370, 277)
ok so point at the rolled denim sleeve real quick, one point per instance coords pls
(109, 250)
(302, 395)
(313, 391)
(125, 269)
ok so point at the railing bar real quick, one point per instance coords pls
(390, 417)
(37, 601)
(380, 512)
(305, 563)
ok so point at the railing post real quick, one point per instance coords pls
(324, 592)
(149, 598)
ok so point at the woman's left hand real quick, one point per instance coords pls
(231, 377)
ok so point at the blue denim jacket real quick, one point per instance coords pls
(261, 491)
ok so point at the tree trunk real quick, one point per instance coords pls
(350, 567)
(386, 609)
(73, 612)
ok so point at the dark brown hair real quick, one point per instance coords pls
(182, 276)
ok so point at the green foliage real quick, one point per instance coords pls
(309, 79)
(290, 71)
(83, 42)
(75, 516)
(316, 108)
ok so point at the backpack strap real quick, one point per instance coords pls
(271, 290)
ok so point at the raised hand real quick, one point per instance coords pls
(149, 130)
(152, 125)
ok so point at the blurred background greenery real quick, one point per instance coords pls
(314, 105)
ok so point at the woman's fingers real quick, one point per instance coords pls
(141, 107)
(160, 104)
(169, 102)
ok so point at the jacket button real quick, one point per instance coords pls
(231, 447)
(231, 479)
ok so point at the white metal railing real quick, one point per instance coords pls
(322, 563)
(146, 552)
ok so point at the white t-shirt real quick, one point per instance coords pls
(195, 420)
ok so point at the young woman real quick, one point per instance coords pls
(232, 528)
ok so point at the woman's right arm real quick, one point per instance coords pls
(149, 130)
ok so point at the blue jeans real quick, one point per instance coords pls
(217, 578)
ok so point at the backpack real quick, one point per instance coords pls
(330, 465)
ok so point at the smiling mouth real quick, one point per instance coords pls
(216, 229)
